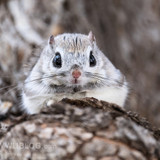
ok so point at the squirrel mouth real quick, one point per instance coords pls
(75, 81)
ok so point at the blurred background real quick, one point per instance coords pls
(128, 32)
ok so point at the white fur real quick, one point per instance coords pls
(33, 105)
(110, 94)
(112, 84)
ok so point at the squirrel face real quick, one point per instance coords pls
(74, 59)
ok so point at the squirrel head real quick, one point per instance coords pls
(74, 59)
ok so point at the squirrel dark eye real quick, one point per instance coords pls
(92, 60)
(57, 61)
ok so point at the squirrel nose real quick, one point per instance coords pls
(76, 74)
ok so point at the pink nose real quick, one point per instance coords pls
(76, 74)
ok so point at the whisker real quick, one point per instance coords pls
(100, 81)
(105, 80)
(6, 87)
(37, 79)
(13, 88)
(5, 76)
(45, 77)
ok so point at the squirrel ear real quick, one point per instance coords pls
(91, 36)
(51, 40)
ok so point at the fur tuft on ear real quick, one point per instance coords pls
(91, 37)
(51, 40)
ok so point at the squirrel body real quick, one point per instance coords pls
(72, 66)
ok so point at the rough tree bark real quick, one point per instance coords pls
(85, 129)
(127, 31)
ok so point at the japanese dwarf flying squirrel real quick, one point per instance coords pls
(72, 66)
